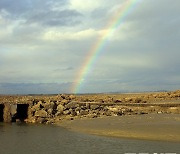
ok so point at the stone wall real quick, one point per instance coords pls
(7, 112)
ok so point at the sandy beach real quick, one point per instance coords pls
(164, 127)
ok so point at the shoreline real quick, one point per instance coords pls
(158, 127)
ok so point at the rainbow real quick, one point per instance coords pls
(96, 49)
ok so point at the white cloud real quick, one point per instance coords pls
(85, 5)
(124, 32)
(55, 35)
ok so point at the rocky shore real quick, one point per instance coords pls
(54, 109)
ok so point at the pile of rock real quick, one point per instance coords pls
(53, 111)
(50, 109)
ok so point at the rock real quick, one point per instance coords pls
(66, 112)
(144, 101)
(68, 117)
(40, 105)
(83, 107)
(137, 100)
(94, 107)
(87, 105)
(108, 113)
(101, 101)
(50, 111)
(58, 103)
(73, 113)
(120, 113)
(36, 107)
(60, 108)
(142, 112)
(101, 112)
(41, 113)
(58, 114)
(77, 109)
(49, 121)
(48, 105)
(113, 109)
(92, 116)
(175, 110)
(64, 102)
(77, 113)
(72, 97)
(31, 120)
(72, 105)
(83, 112)
(117, 101)
(128, 99)
(63, 96)
(41, 120)
(96, 112)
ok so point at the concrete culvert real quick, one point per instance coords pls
(22, 111)
(1, 112)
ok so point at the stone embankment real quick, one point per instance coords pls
(52, 109)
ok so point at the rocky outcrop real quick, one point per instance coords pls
(51, 109)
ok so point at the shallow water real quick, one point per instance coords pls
(46, 139)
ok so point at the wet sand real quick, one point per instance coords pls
(164, 127)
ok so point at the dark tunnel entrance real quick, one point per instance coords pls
(22, 111)
(1, 112)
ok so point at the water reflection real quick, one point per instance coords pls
(24, 138)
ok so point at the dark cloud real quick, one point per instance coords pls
(40, 12)
(54, 18)
(20, 7)
(64, 69)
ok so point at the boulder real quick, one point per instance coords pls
(137, 100)
(41, 120)
(78, 109)
(128, 99)
(72, 105)
(31, 120)
(73, 113)
(92, 116)
(108, 113)
(41, 113)
(175, 110)
(68, 117)
(48, 105)
(66, 112)
(50, 111)
(60, 108)
(94, 107)
(84, 112)
(87, 105)
(64, 101)
(37, 107)
(117, 101)
(101, 112)
(72, 97)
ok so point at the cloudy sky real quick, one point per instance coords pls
(43, 45)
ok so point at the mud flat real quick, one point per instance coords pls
(164, 127)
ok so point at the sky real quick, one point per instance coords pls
(43, 46)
